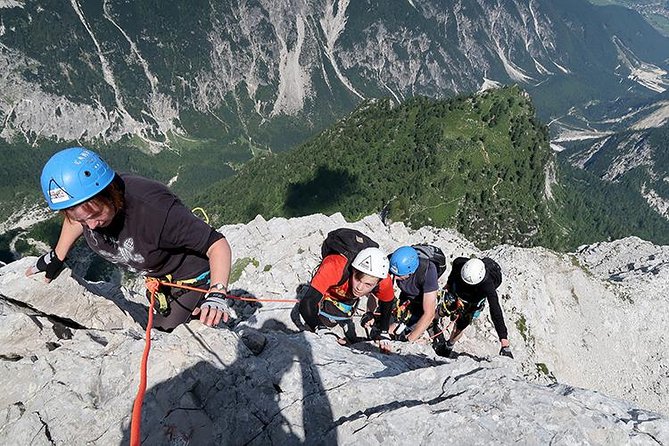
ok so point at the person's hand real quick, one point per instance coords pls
(48, 263)
(382, 338)
(506, 351)
(367, 319)
(213, 309)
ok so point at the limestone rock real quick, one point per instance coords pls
(70, 355)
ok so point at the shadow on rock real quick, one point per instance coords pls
(396, 363)
(268, 395)
(456, 355)
(137, 311)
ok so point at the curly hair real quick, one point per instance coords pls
(111, 196)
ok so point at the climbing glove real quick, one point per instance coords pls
(51, 264)
(217, 301)
(506, 351)
(366, 318)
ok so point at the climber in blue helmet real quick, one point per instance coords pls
(416, 277)
(141, 225)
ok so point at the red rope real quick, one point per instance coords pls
(228, 296)
(152, 285)
(136, 423)
(448, 327)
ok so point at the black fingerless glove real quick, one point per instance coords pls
(506, 351)
(50, 264)
(366, 318)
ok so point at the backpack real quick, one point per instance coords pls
(435, 255)
(493, 269)
(347, 242)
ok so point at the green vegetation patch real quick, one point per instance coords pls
(521, 325)
(239, 266)
(471, 162)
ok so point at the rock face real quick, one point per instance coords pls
(71, 351)
(113, 69)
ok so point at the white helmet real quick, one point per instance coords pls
(473, 271)
(372, 261)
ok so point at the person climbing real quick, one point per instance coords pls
(334, 292)
(416, 272)
(140, 224)
(470, 283)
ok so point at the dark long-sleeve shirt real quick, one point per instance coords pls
(473, 294)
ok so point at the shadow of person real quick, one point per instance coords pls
(288, 354)
(295, 316)
(275, 396)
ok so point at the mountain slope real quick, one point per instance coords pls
(655, 11)
(480, 164)
(218, 84)
(472, 162)
(638, 160)
(267, 74)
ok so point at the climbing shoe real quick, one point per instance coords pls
(444, 349)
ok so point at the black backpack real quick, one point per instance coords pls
(493, 269)
(433, 254)
(347, 242)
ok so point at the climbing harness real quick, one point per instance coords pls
(448, 328)
(402, 315)
(453, 307)
(449, 305)
(348, 310)
(164, 295)
(401, 311)
(479, 307)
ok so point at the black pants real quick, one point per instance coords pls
(467, 315)
(181, 309)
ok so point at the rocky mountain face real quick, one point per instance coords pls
(218, 83)
(655, 11)
(248, 71)
(594, 318)
(637, 159)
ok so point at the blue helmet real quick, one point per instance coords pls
(404, 261)
(72, 176)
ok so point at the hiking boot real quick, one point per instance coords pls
(444, 349)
